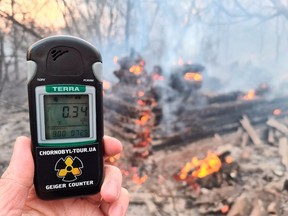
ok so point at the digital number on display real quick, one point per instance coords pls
(66, 116)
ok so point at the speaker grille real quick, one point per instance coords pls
(57, 53)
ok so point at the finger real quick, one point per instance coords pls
(119, 207)
(111, 187)
(112, 146)
(18, 178)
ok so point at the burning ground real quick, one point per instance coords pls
(257, 187)
(194, 180)
(215, 154)
(240, 171)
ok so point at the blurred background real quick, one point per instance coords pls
(182, 79)
(241, 41)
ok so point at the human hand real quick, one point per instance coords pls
(18, 197)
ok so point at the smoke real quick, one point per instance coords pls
(238, 54)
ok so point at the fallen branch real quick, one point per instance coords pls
(245, 122)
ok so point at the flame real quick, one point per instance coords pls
(115, 59)
(145, 117)
(139, 179)
(136, 69)
(201, 168)
(193, 76)
(250, 95)
(277, 112)
(106, 85)
(144, 139)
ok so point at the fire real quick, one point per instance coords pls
(139, 179)
(106, 85)
(228, 159)
(136, 69)
(277, 112)
(193, 76)
(145, 117)
(250, 95)
(145, 140)
(138, 175)
(225, 209)
(201, 168)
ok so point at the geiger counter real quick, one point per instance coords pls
(66, 116)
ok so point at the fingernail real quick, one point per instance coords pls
(111, 188)
(117, 210)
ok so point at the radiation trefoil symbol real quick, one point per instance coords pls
(68, 169)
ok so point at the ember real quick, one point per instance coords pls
(136, 108)
(250, 95)
(277, 112)
(157, 74)
(187, 80)
(139, 179)
(194, 76)
(225, 209)
(136, 69)
(228, 159)
(144, 118)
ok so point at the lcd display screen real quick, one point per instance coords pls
(66, 116)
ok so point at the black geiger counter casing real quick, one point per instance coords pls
(66, 116)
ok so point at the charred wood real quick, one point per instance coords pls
(223, 98)
(220, 118)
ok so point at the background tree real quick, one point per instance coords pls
(215, 33)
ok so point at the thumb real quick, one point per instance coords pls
(17, 180)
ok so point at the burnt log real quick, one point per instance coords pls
(223, 98)
(197, 123)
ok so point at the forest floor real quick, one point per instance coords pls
(263, 175)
